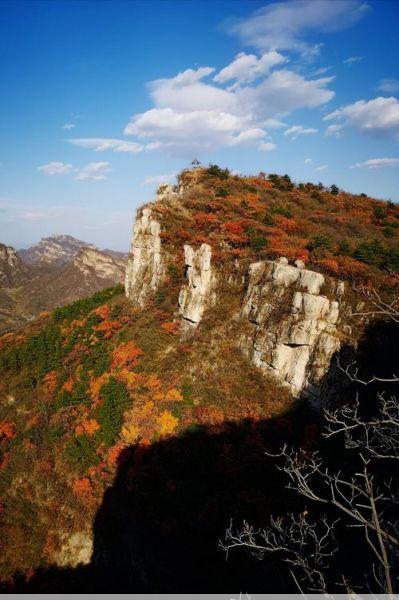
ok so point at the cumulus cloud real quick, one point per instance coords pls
(378, 117)
(68, 126)
(190, 114)
(352, 59)
(376, 163)
(247, 67)
(320, 168)
(334, 130)
(186, 91)
(285, 25)
(308, 161)
(390, 86)
(283, 92)
(56, 168)
(297, 130)
(102, 144)
(94, 171)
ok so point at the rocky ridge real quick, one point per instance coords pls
(295, 315)
(297, 324)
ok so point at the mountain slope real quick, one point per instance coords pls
(27, 290)
(146, 417)
(12, 269)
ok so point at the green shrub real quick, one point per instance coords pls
(81, 452)
(371, 253)
(334, 190)
(344, 248)
(389, 232)
(115, 399)
(380, 213)
(217, 171)
(82, 307)
(174, 273)
(257, 242)
(281, 210)
(319, 242)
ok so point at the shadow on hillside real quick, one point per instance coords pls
(158, 527)
(376, 355)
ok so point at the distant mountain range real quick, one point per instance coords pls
(54, 250)
(57, 270)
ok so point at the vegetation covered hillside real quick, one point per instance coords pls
(342, 234)
(121, 437)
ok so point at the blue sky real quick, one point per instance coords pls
(102, 100)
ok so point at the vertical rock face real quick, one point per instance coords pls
(296, 329)
(196, 293)
(145, 269)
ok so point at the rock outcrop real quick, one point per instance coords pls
(145, 269)
(196, 293)
(296, 328)
(91, 261)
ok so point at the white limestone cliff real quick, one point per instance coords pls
(145, 269)
(196, 293)
(295, 326)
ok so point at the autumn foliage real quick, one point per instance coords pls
(126, 355)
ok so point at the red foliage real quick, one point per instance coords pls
(172, 327)
(203, 219)
(126, 355)
(102, 311)
(233, 227)
(89, 426)
(68, 385)
(82, 488)
(7, 430)
(352, 268)
(288, 225)
(331, 265)
(108, 328)
(50, 382)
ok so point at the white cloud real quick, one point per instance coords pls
(94, 171)
(320, 168)
(284, 25)
(68, 126)
(320, 71)
(267, 146)
(308, 161)
(297, 130)
(195, 130)
(334, 130)
(158, 179)
(186, 92)
(378, 117)
(55, 168)
(247, 67)
(390, 86)
(273, 124)
(189, 114)
(377, 163)
(102, 144)
(352, 59)
(283, 92)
